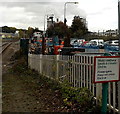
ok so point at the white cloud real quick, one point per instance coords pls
(38, 0)
(15, 16)
(33, 13)
(100, 15)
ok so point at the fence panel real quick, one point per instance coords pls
(79, 71)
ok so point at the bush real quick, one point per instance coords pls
(77, 98)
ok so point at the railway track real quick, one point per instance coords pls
(4, 46)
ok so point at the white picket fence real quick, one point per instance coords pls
(79, 71)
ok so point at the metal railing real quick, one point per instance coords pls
(78, 70)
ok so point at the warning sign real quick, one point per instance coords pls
(106, 69)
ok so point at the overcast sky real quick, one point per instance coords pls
(100, 14)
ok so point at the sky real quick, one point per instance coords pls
(100, 14)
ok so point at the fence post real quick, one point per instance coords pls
(24, 45)
(98, 92)
(41, 63)
(57, 66)
(119, 97)
(29, 60)
(38, 63)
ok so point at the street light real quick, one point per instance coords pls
(50, 15)
(43, 37)
(65, 20)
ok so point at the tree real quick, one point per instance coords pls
(59, 29)
(12, 29)
(37, 30)
(21, 34)
(30, 32)
(7, 29)
(78, 27)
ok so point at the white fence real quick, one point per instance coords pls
(79, 71)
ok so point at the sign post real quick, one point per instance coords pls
(104, 94)
(106, 69)
(104, 97)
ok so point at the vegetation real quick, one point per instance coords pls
(73, 99)
(79, 99)
(59, 29)
(7, 29)
(78, 27)
(23, 33)
(105, 38)
(77, 30)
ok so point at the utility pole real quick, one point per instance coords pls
(119, 23)
(119, 52)
(65, 20)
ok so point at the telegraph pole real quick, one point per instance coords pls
(119, 24)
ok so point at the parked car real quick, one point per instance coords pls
(112, 46)
(114, 42)
(77, 42)
(97, 42)
(106, 43)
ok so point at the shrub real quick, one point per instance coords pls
(76, 97)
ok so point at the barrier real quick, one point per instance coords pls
(78, 70)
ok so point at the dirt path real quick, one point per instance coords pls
(20, 96)
(23, 93)
(16, 98)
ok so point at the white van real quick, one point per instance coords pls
(97, 42)
(114, 42)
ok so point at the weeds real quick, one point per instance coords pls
(75, 99)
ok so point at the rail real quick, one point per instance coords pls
(4, 46)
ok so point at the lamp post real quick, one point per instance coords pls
(43, 37)
(50, 15)
(65, 20)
